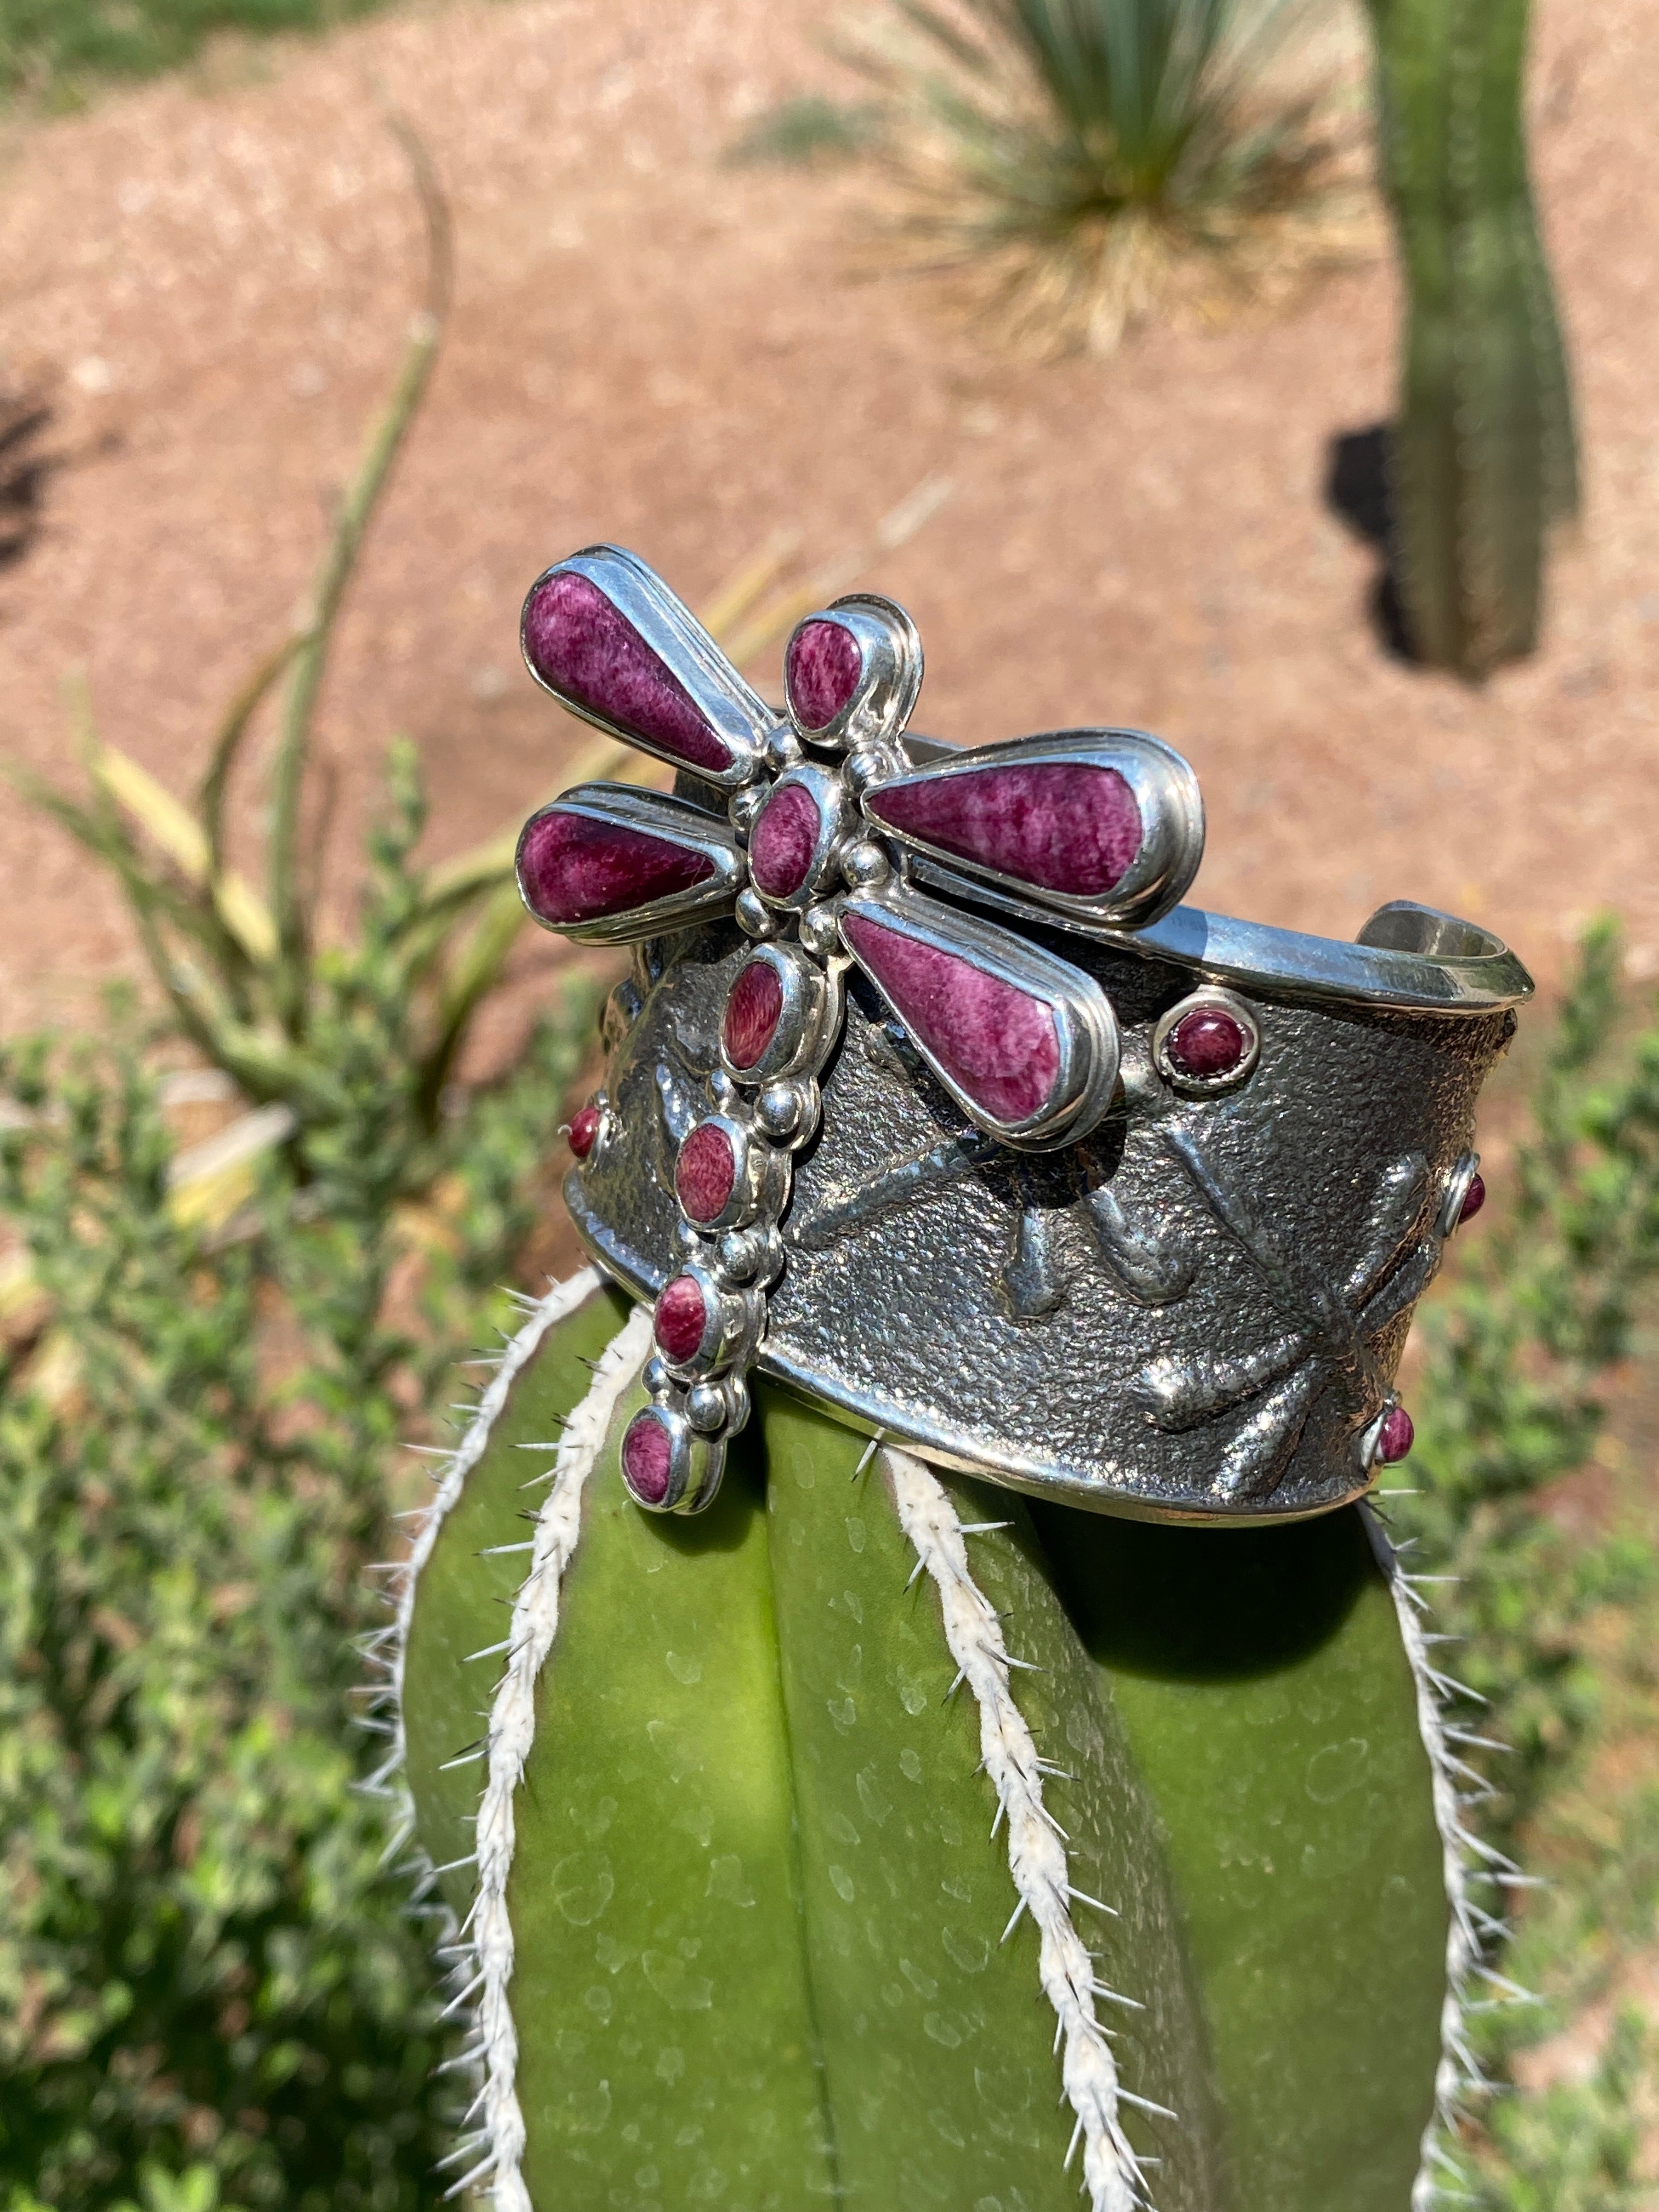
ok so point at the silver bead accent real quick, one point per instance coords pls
(863, 865)
(738, 1255)
(817, 930)
(724, 1092)
(780, 1108)
(755, 918)
(705, 1408)
(783, 749)
(871, 764)
(657, 1381)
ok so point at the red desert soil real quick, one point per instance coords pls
(652, 345)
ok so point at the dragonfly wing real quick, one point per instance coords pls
(607, 864)
(1106, 826)
(1026, 1044)
(605, 635)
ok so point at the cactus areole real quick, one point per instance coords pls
(829, 1810)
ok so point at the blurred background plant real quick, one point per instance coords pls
(52, 51)
(212, 1989)
(1087, 163)
(1484, 461)
(1538, 1417)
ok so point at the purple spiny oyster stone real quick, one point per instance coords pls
(753, 1008)
(588, 651)
(584, 1130)
(820, 671)
(705, 1172)
(574, 869)
(997, 1044)
(1473, 1198)
(784, 840)
(682, 1317)
(1207, 1042)
(646, 1458)
(1063, 825)
(1395, 1436)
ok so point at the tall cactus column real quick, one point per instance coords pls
(1484, 457)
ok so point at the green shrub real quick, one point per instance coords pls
(1527, 1355)
(55, 49)
(210, 1991)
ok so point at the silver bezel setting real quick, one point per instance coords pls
(760, 1181)
(1209, 998)
(890, 647)
(696, 1463)
(1165, 791)
(1371, 1435)
(739, 717)
(620, 807)
(807, 1022)
(1464, 1172)
(1085, 1027)
(731, 1322)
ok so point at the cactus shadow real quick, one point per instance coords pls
(1358, 492)
(1205, 1604)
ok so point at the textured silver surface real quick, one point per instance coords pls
(1198, 1312)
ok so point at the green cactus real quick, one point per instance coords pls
(1484, 460)
(778, 1878)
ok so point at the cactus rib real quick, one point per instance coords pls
(488, 1929)
(1466, 1860)
(1036, 1852)
(542, 1315)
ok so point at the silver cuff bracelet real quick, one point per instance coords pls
(928, 1099)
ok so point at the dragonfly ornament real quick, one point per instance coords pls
(827, 813)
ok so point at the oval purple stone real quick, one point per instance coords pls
(1207, 1042)
(1064, 826)
(1473, 1198)
(784, 840)
(705, 1172)
(997, 1044)
(1395, 1438)
(753, 1010)
(820, 671)
(587, 650)
(647, 1459)
(682, 1317)
(573, 869)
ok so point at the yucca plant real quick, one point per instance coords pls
(1088, 154)
(1484, 459)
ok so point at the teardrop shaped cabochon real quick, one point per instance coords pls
(1106, 824)
(605, 635)
(1026, 1044)
(606, 864)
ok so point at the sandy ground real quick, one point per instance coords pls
(652, 345)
